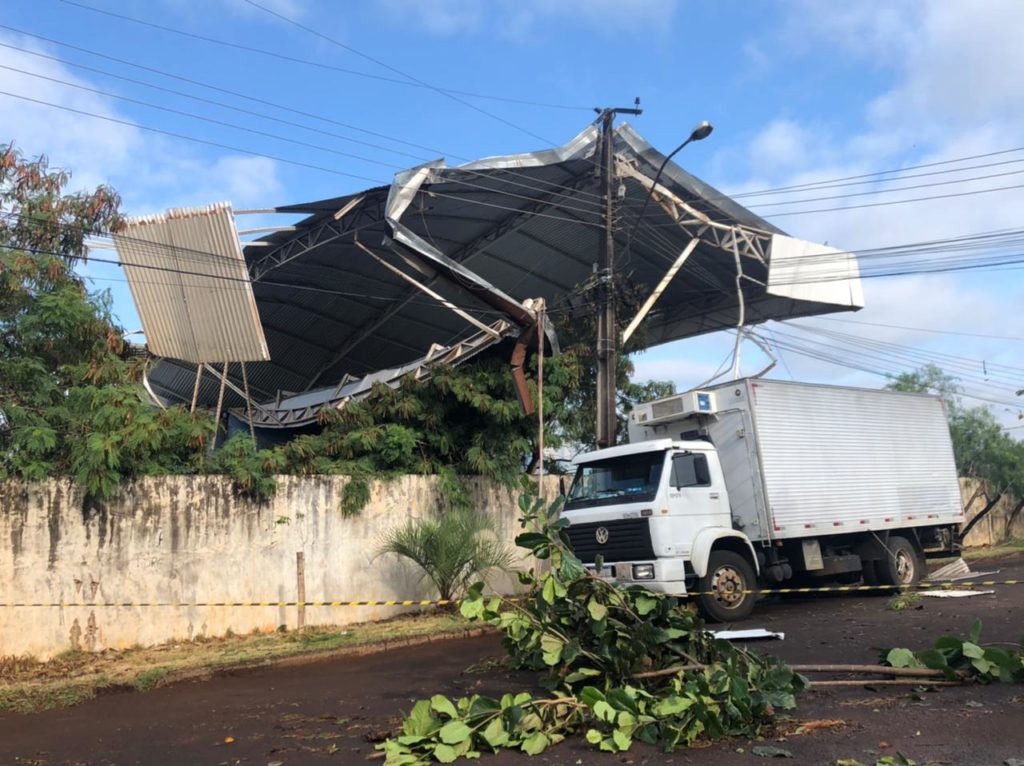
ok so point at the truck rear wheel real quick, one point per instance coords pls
(727, 590)
(902, 566)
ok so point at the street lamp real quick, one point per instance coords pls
(699, 133)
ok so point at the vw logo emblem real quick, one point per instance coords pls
(601, 535)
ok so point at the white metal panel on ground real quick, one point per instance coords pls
(839, 459)
(191, 287)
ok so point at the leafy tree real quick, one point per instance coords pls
(983, 449)
(71, 404)
(575, 369)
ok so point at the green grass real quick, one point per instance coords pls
(150, 679)
(903, 601)
(28, 685)
(1008, 548)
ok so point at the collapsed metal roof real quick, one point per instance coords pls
(373, 281)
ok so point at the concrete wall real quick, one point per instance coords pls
(999, 525)
(189, 538)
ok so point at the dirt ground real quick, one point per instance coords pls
(326, 712)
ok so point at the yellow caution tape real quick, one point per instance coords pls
(445, 602)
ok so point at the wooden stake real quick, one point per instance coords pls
(884, 670)
(886, 682)
(300, 589)
(220, 406)
(540, 398)
(248, 406)
(195, 388)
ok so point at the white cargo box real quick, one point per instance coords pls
(805, 460)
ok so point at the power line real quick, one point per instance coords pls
(876, 173)
(277, 158)
(184, 137)
(895, 202)
(841, 356)
(318, 64)
(241, 280)
(213, 102)
(378, 62)
(193, 116)
(924, 329)
(828, 184)
(226, 91)
(889, 191)
(548, 188)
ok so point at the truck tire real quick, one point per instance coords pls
(902, 566)
(727, 588)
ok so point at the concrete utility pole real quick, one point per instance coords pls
(607, 327)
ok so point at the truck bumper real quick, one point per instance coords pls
(669, 574)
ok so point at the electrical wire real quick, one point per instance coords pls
(436, 152)
(866, 353)
(277, 158)
(876, 173)
(241, 280)
(841, 357)
(213, 102)
(218, 89)
(888, 191)
(193, 139)
(203, 118)
(389, 67)
(924, 329)
(829, 184)
(318, 64)
(972, 193)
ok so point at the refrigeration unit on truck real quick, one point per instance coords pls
(755, 483)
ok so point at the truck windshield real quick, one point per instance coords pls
(631, 478)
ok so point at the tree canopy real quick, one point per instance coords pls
(983, 448)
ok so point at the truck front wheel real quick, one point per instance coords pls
(727, 590)
(902, 566)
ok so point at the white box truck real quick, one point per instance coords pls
(768, 482)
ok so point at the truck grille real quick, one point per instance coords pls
(628, 540)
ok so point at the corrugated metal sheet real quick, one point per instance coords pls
(191, 286)
(840, 459)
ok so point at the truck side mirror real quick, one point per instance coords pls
(561, 485)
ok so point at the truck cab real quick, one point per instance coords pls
(657, 514)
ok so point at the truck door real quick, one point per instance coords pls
(696, 501)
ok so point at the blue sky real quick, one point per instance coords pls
(797, 91)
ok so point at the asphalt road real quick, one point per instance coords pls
(327, 711)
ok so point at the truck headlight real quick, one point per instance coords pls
(643, 571)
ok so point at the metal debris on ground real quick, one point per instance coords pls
(751, 634)
(955, 593)
(954, 570)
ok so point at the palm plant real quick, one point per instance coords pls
(453, 549)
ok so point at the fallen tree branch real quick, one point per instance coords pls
(886, 682)
(672, 671)
(874, 669)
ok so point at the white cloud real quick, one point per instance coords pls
(954, 86)
(152, 171)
